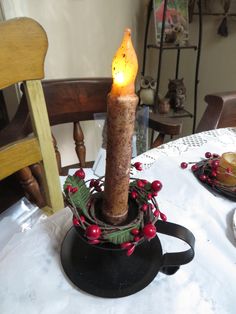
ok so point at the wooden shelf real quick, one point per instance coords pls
(172, 46)
(180, 114)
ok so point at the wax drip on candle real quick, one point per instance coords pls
(124, 67)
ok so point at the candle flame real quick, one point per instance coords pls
(124, 67)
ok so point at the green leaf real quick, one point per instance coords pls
(121, 236)
(81, 197)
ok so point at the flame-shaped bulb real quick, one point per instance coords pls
(124, 67)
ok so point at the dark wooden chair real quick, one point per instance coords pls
(165, 126)
(220, 112)
(67, 100)
(75, 100)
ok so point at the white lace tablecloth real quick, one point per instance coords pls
(32, 281)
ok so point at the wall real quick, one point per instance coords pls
(83, 38)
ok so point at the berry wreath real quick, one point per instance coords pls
(81, 197)
(207, 171)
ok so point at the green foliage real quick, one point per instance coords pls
(83, 202)
(121, 236)
(81, 197)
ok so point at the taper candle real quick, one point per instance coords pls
(121, 108)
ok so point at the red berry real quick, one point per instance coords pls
(213, 173)
(215, 163)
(229, 170)
(126, 245)
(209, 181)
(144, 181)
(215, 155)
(76, 221)
(203, 177)
(156, 213)
(136, 239)
(134, 194)
(98, 188)
(194, 167)
(80, 173)
(140, 184)
(82, 219)
(135, 231)
(144, 207)
(163, 217)
(96, 182)
(69, 188)
(130, 250)
(93, 232)
(149, 196)
(183, 165)
(74, 190)
(154, 193)
(149, 231)
(92, 183)
(138, 166)
(156, 185)
(208, 155)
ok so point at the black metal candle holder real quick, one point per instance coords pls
(109, 273)
(114, 261)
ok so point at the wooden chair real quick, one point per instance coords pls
(165, 126)
(75, 100)
(220, 112)
(67, 101)
(23, 48)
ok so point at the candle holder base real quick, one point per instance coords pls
(110, 273)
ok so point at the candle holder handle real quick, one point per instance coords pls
(172, 261)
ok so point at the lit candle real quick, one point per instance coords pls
(121, 109)
(226, 172)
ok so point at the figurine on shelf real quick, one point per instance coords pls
(176, 94)
(163, 106)
(147, 90)
(175, 35)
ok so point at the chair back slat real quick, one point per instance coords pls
(71, 100)
(18, 155)
(23, 48)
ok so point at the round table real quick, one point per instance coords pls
(32, 280)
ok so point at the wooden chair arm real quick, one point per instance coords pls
(220, 111)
